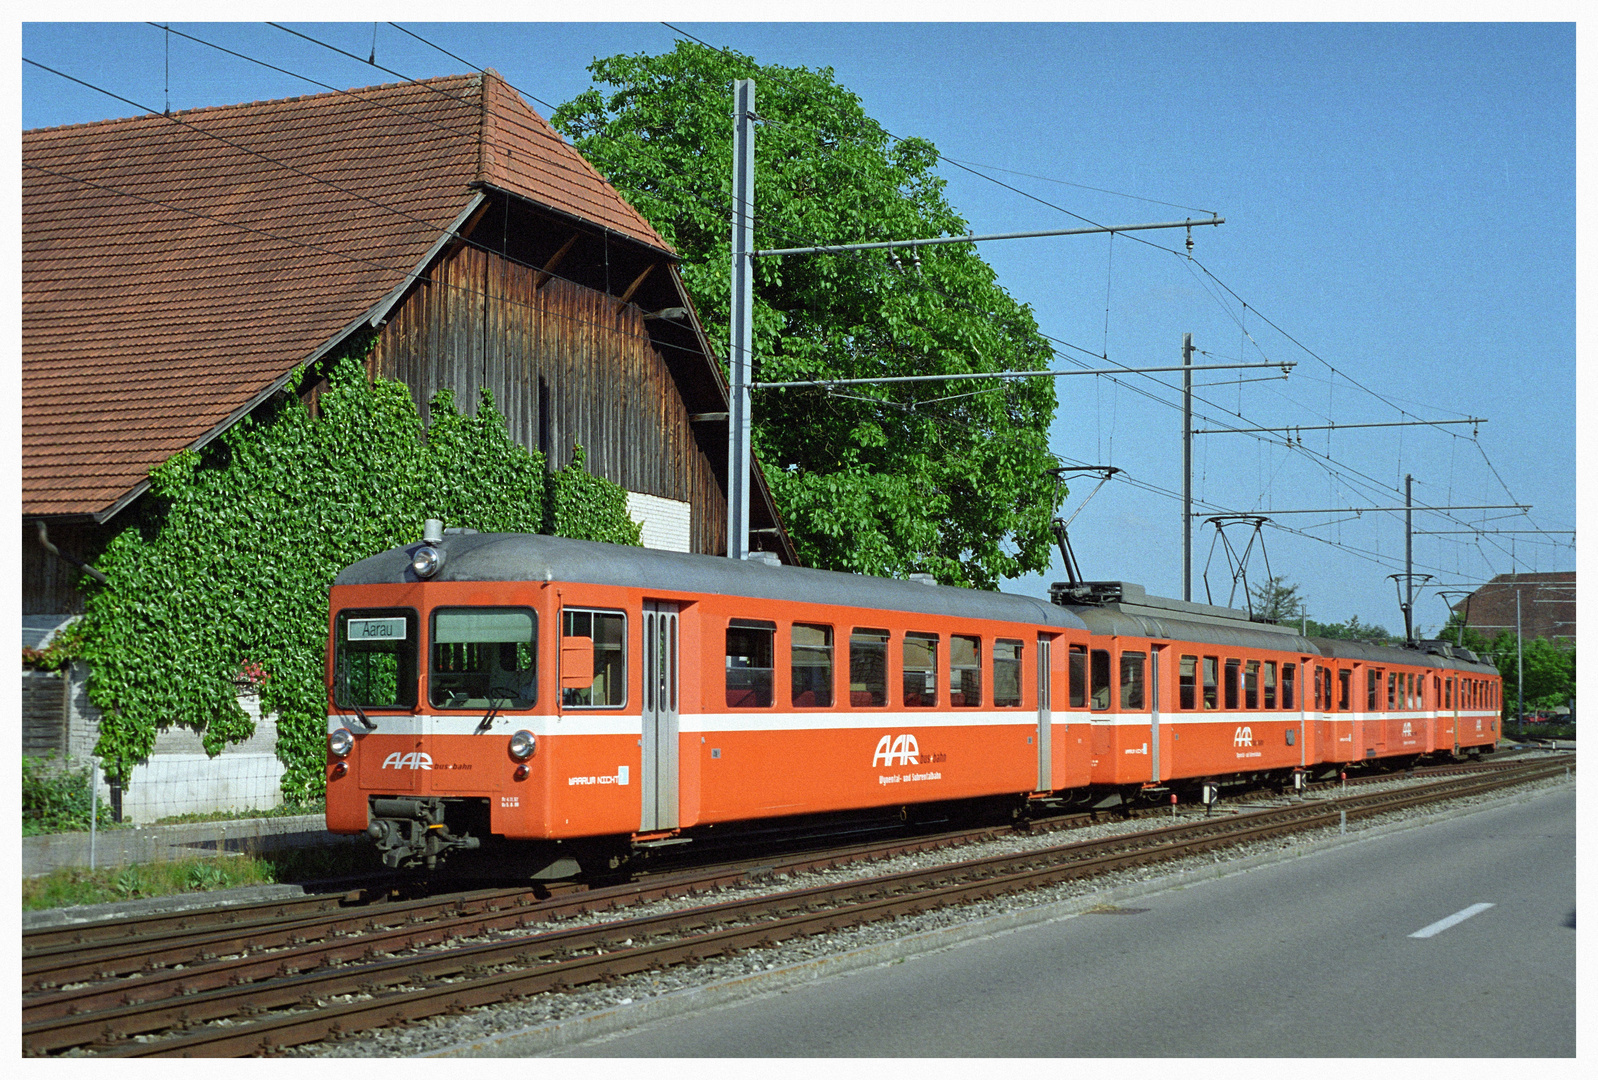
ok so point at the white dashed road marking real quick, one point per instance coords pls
(1453, 920)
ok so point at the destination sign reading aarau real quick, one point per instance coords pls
(377, 629)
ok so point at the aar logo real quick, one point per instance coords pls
(897, 751)
(414, 760)
(1243, 736)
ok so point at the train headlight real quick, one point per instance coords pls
(522, 745)
(427, 561)
(341, 742)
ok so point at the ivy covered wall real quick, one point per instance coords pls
(223, 576)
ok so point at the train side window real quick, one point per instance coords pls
(1344, 688)
(1289, 674)
(1270, 684)
(921, 669)
(868, 668)
(1251, 685)
(1448, 693)
(1413, 686)
(1132, 682)
(810, 666)
(482, 658)
(965, 671)
(608, 631)
(1319, 679)
(1099, 680)
(1187, 683)
(1392, 690)
(1232, 668)
(1373, 680)
(1079, 677)
(1006, 673)
(1211, 701)
(751, 644)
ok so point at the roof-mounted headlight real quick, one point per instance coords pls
(427, 561)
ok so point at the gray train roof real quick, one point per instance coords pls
(1392, 654)
(1124, 608)
(532, 557)
(1108, 620)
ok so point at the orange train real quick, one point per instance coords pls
(572, 705)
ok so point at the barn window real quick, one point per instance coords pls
(751, 644)
(811, 666)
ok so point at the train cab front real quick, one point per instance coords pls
(431, 748)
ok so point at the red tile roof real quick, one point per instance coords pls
(1547, 605)
(173, 268)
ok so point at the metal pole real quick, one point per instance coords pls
(94, 802)
(743, 242)
(1187, 468)
(1409, 561)
(1520, 669)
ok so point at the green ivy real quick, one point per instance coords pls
(223, 577)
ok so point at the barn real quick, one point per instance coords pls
(178, 269)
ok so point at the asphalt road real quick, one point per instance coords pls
(1312, 957)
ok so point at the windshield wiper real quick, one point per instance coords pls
(494, 697)
(366, 721)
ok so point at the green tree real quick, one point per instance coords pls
(1277, 600)
(1354, 630)
(882, 479)
(1550, 671)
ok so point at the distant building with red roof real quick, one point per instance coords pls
(1547, 605)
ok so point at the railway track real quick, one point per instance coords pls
(280, 975)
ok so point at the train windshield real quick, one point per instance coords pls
(483, 657)
(374, 661)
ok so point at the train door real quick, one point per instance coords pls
(659, 767)
(1155, 652)
(1045, 718)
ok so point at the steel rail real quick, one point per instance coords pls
(945, 885)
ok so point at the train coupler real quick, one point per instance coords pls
(411, 832)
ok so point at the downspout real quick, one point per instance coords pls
(44, 542)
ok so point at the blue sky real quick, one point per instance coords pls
(1399, 203)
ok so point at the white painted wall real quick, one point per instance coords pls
(666, 522)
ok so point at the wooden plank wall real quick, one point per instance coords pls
(566, 365)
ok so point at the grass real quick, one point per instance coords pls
(77, 885)
(287, 810)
